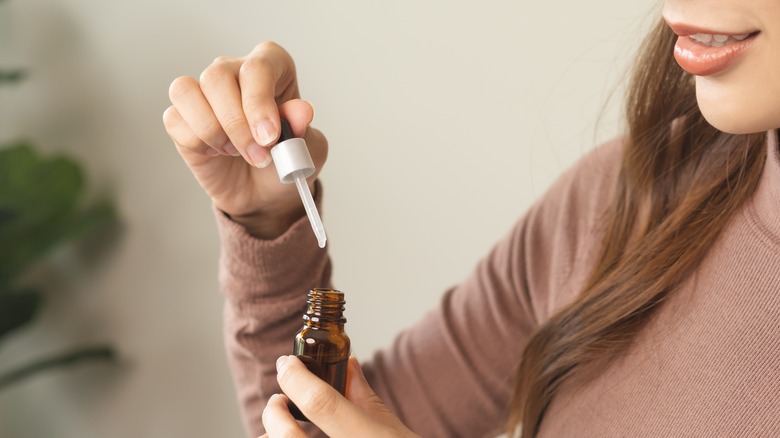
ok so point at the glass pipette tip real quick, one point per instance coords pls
(310, 207)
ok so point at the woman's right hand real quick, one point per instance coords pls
(224, 124)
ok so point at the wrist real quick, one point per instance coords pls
(274, 220)
(267, 226)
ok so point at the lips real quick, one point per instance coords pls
(705, 59)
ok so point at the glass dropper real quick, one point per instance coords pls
(293, 164)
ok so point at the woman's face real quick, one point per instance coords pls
(737, 80)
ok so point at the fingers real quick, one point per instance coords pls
(321, 404)
(222, 91)
(360, 393)
(266, 77)
(357, 386)
(257, 79)
(182, 135)
(318, 146)
(233, 109)
(186, 95)
(278, 421)
(299, 113)
(364, 412)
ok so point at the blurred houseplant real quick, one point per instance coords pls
(40, 210)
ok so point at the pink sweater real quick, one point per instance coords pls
(707, 365)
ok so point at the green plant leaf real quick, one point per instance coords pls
(6, 215)
(10, 76)
(102, 352)
(39, 191)
(18, 157)
(17, 309)
(39, 207)
(31, 245)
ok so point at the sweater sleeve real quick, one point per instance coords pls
(451, 374)
(264, 283)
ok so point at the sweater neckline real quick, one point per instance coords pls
(765, 206)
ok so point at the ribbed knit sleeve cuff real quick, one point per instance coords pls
(252, 268)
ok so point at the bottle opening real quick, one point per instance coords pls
(325, 306)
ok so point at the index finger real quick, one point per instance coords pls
(321, 404)
(267, 73)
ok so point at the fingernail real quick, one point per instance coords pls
(280, 362)
(266, 132)
(231, 150)
(259, 156)
(211, 152)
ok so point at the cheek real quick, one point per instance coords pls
(746, 98)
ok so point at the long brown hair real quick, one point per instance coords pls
(680, 183)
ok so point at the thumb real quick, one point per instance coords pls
(357, 387)
(358, 391)
(299, 113)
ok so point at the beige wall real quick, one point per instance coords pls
(446, 120)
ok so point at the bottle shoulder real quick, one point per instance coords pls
(321, 333)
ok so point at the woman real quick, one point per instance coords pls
(639, 297)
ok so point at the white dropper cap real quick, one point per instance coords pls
(293, 164)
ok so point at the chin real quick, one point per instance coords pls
(731, 123)
(738, 108)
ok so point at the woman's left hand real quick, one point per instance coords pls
(361, 413)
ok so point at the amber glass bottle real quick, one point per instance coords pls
(321, 343)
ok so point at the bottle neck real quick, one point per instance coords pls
(325, 309)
